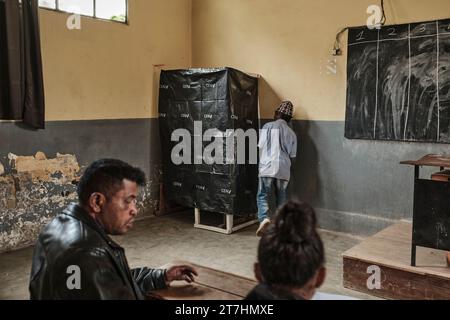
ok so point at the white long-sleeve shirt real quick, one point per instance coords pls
(278, 145)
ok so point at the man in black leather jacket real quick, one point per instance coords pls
(74, 257)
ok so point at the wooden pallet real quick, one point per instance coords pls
(390, 250)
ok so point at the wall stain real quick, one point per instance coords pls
(35, 189)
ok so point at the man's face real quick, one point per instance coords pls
(120, 210)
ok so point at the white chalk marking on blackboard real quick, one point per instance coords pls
(437, 84)
(360, 36)
(392, 33)
(362, 42)
(376, 89)
(382, 40)
(425, 36)
(409, 80)
(424, 28)
(398, 39)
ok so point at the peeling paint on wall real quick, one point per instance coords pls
(42, 169)
(32, 194)
(7, 192)
(35, 189)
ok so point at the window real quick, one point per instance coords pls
(114, 10)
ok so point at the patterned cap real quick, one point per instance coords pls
(287, 108)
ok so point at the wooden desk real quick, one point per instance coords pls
(210, 284)
(431, 220)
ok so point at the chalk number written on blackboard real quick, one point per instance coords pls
(360, 36)
(392, 32)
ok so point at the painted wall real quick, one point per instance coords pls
(289, 43)
(356, 186)
(106, 69)
(100, 86)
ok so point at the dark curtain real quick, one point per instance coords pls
(21, 80)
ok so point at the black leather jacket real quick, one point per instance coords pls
(73, 245)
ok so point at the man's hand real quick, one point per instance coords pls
(181, 273)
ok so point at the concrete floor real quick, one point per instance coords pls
(160, 240)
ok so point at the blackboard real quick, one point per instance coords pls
(398, 83)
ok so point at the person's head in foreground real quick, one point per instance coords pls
(74, 258)
(291, 258)
(285, 111)
(108, 191)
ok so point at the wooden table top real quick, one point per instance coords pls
(210, 284)
(431, 160)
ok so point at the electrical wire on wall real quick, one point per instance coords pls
(383, 12)
(337, 45)
(337, 51)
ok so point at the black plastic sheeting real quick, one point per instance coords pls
(221, 99)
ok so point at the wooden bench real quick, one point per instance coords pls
(210, 284)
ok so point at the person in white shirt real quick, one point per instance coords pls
(278, 149)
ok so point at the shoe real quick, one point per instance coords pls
(262, 227)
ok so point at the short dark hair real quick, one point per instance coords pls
(106, 176)
(291, 250)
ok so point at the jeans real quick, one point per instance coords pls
(265, 188)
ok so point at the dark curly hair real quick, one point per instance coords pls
(291, 250)
(106, 176)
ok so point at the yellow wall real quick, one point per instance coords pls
(289, 43)
(105, 70)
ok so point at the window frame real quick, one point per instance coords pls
(57, 9)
